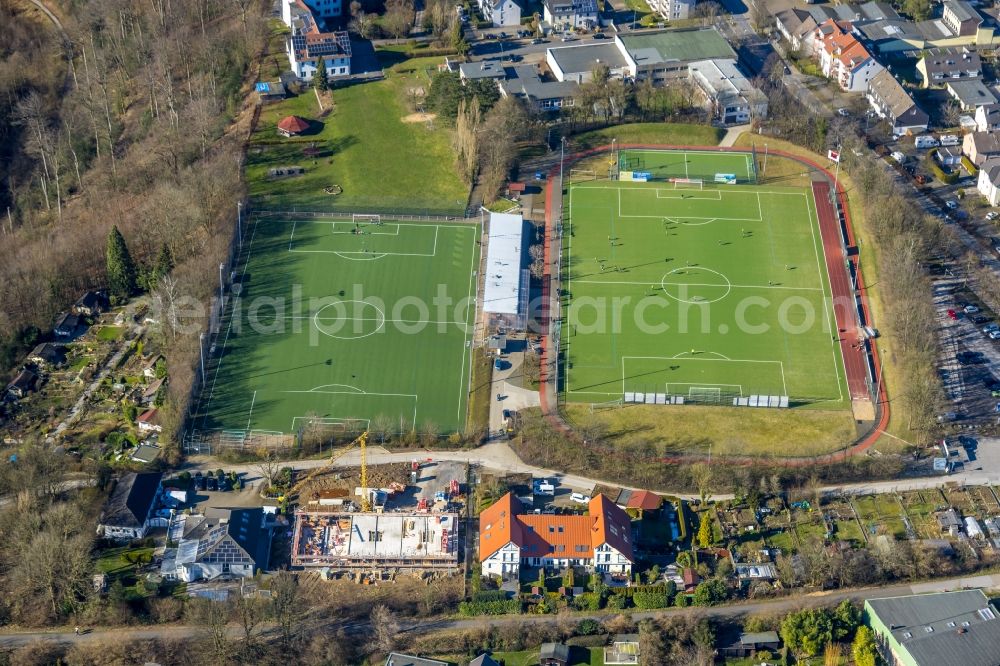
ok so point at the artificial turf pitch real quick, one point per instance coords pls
(709, 294)
(338, 328)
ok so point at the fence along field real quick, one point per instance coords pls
(328, 328)
(729, 280)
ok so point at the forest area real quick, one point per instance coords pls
(120, 122)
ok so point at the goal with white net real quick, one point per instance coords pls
(578, 175)
(688, 183)
(360, 219)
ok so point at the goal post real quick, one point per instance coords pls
(360, 219)
(688, 183)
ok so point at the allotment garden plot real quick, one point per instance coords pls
(344, 322)
(695, 291)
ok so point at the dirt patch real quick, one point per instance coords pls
(419, 117)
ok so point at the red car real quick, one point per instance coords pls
(952, 315)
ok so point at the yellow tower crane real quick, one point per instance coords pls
(366, 502)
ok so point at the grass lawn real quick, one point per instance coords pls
(112, 561)
(80, 362)
(760, 432)
(848, 530)
(638, 6)
(351, 329)
(665, 133)
(109, 333)
(381, 162)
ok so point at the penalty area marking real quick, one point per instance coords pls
(780, 364)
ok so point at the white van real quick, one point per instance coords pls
(950, 140)
(898, 156)
(926, 142)
(579, 498)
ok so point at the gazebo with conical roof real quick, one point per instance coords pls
(292, 125)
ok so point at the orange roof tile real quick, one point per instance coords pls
(611, 525)
(498, 525)
(643, 499)
(558, 536)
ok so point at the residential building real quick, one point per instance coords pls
(484, 69)
(798, 27)
(939, 66)
(91, 304)
(673, 10)
(933, 629)
(987, 118)
(400, 659)
(566, 15)
(979, 146)
(128, 513)
(484, 660)
(510, 539)
(553, 654)
(47, 355)
(949, 157)
(891, 101)
(642, 500)
(577, 63)
(23, 384)
(843, 58)
(623, 651)
(988, 182)
(970, 94)
(149, 421)
(730, 97)
(961, 17)
(749, 644)
(223, 542)
(309, 48)
(67, 325)
(665, 55)
(146, 453)
(501, 12)
(525, 82)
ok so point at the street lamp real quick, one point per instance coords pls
(562, 156)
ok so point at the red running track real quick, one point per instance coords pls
(844, 303)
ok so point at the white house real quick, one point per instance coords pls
(308, 47)
(223, 542)
(128, 513)
(843, 58)
(988, 118)
(565, 15)
(730, 97)
(673, 10)
(989, 180)
(509, 539)
(501, 12)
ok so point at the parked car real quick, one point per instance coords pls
(970, 309)
(951, 204)
(979, 319)
(600, 35)
(994, 335)
(989, 328)
(992, 215)
(843, 112)
(568, 38)
(212, 483)
(952, 315)
(579, 498)
(538, 40)
(969, 358)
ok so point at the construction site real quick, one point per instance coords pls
(380, 519)
(372, 540)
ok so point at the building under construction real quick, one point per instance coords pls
(375, 540)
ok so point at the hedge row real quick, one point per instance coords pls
(506, 607)
(938, 171)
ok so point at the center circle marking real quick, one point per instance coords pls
(725, 283)
(342, 319)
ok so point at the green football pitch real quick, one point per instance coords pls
(344, 329)
(709, 293)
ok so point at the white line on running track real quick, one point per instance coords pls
(704, 284)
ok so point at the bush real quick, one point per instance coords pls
(506, 607)
(617, 602)
(938, 171)
(650, 600)
(588, 627)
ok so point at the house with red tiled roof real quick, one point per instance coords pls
(309, 47)
(644, 501)
(600, 541)
(843, 58)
